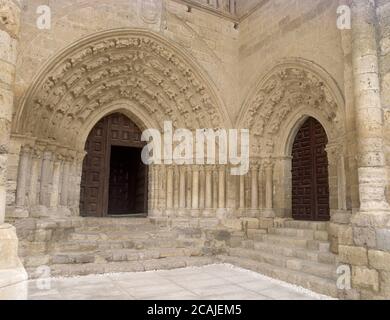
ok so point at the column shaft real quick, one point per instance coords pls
(169, 187)
(221, 188)
(209, 189)
(195, 188)
(369, 115)
(23, 171)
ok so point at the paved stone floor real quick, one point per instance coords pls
(222, 282)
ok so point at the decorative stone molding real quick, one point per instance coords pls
(287, 88)
(124, 65)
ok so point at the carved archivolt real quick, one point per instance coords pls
(122, 65)
(286, 90)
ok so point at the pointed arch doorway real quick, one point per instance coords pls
(310, 177)
(114, 179)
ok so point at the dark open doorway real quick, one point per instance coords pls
(114, 179)
(127, 184)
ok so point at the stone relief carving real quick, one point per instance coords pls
(9, 17)
(137, 68)
(285, 91)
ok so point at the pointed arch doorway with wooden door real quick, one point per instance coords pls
(310, 178)
(114, 179)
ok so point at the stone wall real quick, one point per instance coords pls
(280, 64)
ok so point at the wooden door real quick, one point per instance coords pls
(310, 179)
(110, 171)
(94, 173)
(121, 185)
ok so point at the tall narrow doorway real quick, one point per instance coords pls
(114, 179)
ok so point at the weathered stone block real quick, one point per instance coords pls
(364, 237)
(384, 277)
(365, 278)
(233, 224)
(265, 223)
(383, 239)
(250, 223)
(353, 255)
(345, 235)
(379, 260)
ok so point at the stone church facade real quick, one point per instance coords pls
(75, 98)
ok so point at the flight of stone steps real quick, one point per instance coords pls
(296, 252)
(94, 246)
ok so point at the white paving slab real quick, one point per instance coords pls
(221, 282)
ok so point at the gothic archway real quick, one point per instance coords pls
(136, 72)
(114, 179)
(274, 111)
(138, 67)
(310, 177)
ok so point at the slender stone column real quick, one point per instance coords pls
(269, 189)
(242, 192)
(195, 187)
(55, 184)
(23, 171)
(45, 178)
(209, 188)
(215, 188)
(154, 190)
(261, 187)
(255, 188)
(35, 172)
(162, 194)
(12, 273)
(9, 29)
(202, 188)
(65, 183)
(176, 188)
(182, 193)
(369, 115)
(221, 187)
(189, 188)
(169, 187)
(72, 181)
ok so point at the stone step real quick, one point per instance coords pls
(300, 253)
(287, 241)
(101, 244)
(118, 228)
(70, 270)
(310, 225)
(121, 255)
(117, 221)
(314, 268)
(301, 233)
(317, 284)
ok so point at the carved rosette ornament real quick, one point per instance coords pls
(9, 17)
(118, 66)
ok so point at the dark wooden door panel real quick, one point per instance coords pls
(123, 132)
(94, 168)
(110, 182)
(310, 181)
